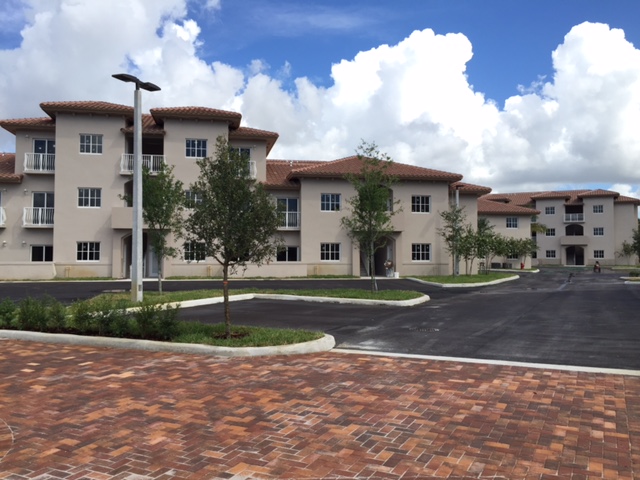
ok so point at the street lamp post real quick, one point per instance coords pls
(136, 234)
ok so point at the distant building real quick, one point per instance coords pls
(582, 226)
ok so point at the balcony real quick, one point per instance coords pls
(37, 217)
(573, 217)
(3, 218)
(574, 240)
(290, 221)
(39, 163)
(153, 162)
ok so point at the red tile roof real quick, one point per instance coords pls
(8, 168)
(14, 125)
(469, 188)
(353, 166)
(278, 172)
(569, 196)
(107, 108)
(246, 133)
(199, 113)
(488, 207)
(149, 126)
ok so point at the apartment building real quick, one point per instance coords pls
(582, 226)
(63, 214)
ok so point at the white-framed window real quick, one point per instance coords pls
(191, 198)
(289, 212)
(420, 203)
(330, 202)
(330, 251)
(88, 252)
(194, 251)
(42, 253)
(288, 254)
(598, 209)
(89, 197)
(244, 152)
(91, 143)
(421, 252)
(513, 256)
(195, 148)
(551, 232)
(550, 254)
(512, 222)
(549, 210)
(598, 231)
(598, 254)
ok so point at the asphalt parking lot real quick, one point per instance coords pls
(557, 316)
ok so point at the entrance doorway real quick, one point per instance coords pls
(149, 259)
(575, 255)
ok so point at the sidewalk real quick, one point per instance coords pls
(84, 412)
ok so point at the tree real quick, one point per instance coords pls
(237, 220)
(162, 208)
(369, 224)
(635, 240)
(452, 231)
(483, 241)
(626, 250)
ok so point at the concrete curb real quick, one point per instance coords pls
(323, 344)
(465, 285)
(271, 296)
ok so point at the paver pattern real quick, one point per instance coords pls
(69, 412)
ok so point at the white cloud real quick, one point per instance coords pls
(413, 98)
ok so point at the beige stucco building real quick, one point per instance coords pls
(582, 226)
(63, 214)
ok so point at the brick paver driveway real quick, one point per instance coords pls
(76, 412)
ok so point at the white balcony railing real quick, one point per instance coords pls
(253, 170)
(37, 217)
(39, 162)
(573, 217)
(3, 217)
(290, 220)
(152, 162)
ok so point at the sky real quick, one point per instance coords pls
(516, 96)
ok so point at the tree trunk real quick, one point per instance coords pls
(159, 261)
(225, 292)
(372, 269)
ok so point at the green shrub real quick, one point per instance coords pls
(32, 314)
(56, 316)
(154, 322)
(82, 317)
(7, 313)
(110, 317)
(634, 273)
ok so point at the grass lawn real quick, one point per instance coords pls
(168, 297)
(463, 279)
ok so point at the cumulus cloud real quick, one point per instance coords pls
(412, 98)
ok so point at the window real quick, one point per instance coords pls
(598, 231)
(549, 210)
(196, 148)
(551, 254)
(194, 251)
(289, 212)
(421, 252)
(330, 202)
(89, 197)
(512, 222)
(330, 251)
(288, 254)
(42, 253)
(192, 198)
(551, 232)
(243, 152)
(513, 256)
(90, 143)
(598, 209)
(88, 252)
(598, 254)
(420, 203)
